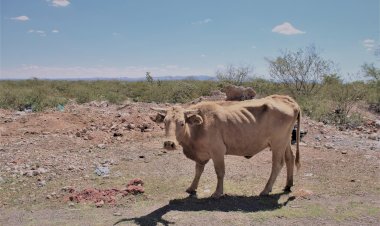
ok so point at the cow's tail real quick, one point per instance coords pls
(298, 138)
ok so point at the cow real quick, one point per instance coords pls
(239, 93)
(211, 130)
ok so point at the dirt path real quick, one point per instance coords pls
(44, 155)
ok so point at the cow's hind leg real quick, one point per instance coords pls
(192, 190)
(277, 164)
(289, 160)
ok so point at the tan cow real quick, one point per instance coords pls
(211, 130)
(239, 93)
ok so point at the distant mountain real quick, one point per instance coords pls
(171, 78)
(134, 79)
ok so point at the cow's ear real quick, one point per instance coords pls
(194, 120)
(158, 118)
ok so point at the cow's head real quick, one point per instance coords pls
(177, 121)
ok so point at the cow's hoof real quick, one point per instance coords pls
(216, 195)
(287, 188)
(191, 192)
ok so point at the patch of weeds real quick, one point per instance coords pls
(312, 210)
(354, 210)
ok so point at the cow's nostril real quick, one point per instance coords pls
(172, 145)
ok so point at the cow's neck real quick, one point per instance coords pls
(188, 145)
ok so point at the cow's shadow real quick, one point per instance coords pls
(226, 203)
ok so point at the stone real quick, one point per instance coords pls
(99, 204)
(102, 171)
(377, 123)
(117, 214)
(373, 136)
(41, 183)
(101, 146)
(344, 152)
(131, 126)
(2, 181)
(41, 170)
(329, 146)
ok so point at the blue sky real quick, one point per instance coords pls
(114, 38)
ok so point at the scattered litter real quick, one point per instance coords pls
(102, 171)
(60, 107)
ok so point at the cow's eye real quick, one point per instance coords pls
(182, 123)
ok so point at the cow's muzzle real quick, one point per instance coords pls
(170, 145)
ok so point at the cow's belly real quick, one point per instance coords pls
(248, 151)
(244, 142)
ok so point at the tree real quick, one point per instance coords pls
(300, 71)
(234, 75)
(371, 71)
(149, 78)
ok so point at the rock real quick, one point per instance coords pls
(377, 123)
(71, 204)
(101, 146)
(131, 126)
(29, 173)
(99, 204)
(41, 170)
(68, 189)
(41, 183)
(373, 136)
(2, 181)
(102, 171)
(308, 174)
(48, 197)
(344, 152)
(329, 146)
(77, 134)
(117, 214)
(71, 167)
(117, 134)
(318, 138)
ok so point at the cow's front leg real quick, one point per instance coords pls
(219, 169)
(192, 190)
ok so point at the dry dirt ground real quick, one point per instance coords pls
(72, 167)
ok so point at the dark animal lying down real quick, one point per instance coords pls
(294, 135)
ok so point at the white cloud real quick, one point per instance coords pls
(203, 55)
(369, 44)
(205, 21)
(253, 47)
(20, 18)
(55, 31)
(287, 29)
(38, 32)
(59, 3)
